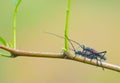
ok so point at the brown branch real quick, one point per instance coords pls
(16, 53)
(68, 55)
(94, 62)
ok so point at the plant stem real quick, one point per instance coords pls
(67, 25)
(68, 55)
(14, 23)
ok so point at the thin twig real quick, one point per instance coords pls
(67, 25)
(14, 23)
(16, 53)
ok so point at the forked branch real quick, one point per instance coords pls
(68, 55)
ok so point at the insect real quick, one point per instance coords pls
(86, 52)
(91, 53)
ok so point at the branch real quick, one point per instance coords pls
(68, 55)
(15, 53)
(94, 62)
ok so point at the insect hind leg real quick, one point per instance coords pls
(101, 64)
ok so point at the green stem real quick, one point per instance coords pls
(14, 23)
(67, 25)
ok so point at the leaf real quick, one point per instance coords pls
(4, 55)
(3, 41)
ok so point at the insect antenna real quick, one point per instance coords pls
(63, 38)
(71, 44)
(82, 46)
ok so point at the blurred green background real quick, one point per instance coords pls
(95, 23)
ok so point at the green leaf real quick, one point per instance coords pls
(3, 41)
(4, 55)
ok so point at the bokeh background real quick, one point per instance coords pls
(95, 23)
